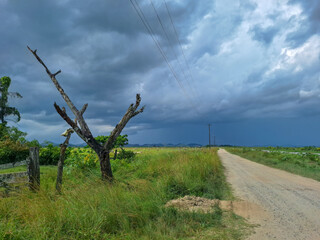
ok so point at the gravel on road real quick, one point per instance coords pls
(285, 205)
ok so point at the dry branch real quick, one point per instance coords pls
(82, 123)
(84, 132)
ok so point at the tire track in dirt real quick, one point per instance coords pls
(291, 203)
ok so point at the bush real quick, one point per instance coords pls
(82, 158)
(12, 151)
(50, 155)
(125, 154)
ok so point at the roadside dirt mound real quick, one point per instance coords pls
(198, 204)
(192, 203)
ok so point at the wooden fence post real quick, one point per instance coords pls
(34, 169)
(63, 148)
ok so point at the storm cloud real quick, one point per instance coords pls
(248, 61)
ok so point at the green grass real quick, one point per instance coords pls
(130, 208)
(15, 169)
(307, 165)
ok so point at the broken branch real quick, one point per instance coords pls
(125, 119)
(83, 125)
(83, 109)
(72, 124)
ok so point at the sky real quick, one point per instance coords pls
(250, 68)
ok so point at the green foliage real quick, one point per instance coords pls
(13, 145)
(34, 143)
(121, 140)
(49, 155)
(130, 208)
(5, 110)
(12, 151)
(125, 154)
(12, 133)
(82, 158)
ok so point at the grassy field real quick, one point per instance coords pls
(308, 149)
(304, 164)
(130, 208)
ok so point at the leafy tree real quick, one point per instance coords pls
(120, 141)
(34, 143)
(12, 133)
(5, 110)
(11, 151)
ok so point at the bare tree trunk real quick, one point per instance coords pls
(105, 165)
(63, 148)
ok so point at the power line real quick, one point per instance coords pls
(151, 33)
(177, 36)
(146, 24)
(172, 49)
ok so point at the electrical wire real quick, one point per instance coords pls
(177, 37)
(151, 33)
(168, 39)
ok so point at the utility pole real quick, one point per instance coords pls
(214, 140)
(209, 135)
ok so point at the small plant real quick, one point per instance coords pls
(82, 158)
(125, 154)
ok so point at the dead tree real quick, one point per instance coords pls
(63, 148)
(83, 131)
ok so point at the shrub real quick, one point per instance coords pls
(82, 158)
(125, 154)
(12, 151)
(50, 154)
(312, 157)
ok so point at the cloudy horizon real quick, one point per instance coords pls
(252, 71)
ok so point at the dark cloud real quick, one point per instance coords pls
(107, 56)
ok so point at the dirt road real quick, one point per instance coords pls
(285, 205)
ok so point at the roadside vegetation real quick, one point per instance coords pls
(299, 161)
(132, 207)
(129, 205)
(306, 149)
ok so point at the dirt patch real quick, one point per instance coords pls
(198, 204)
(192, 203)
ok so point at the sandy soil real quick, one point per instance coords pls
(199, 204)
(286, 206)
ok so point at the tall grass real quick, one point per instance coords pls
(130, 208)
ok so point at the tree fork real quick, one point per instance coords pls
(83, 130)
